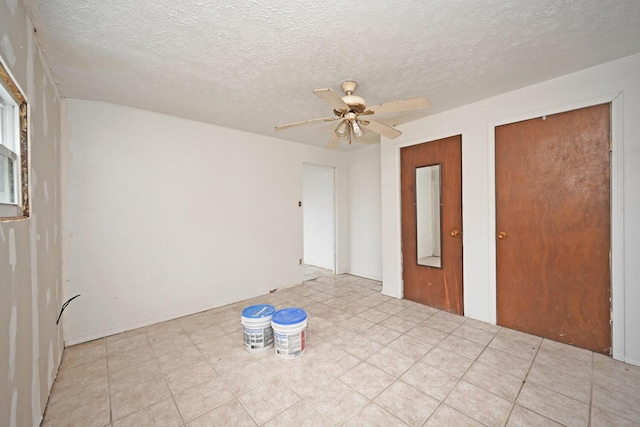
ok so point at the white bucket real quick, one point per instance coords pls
(256, 322)
(289, 330)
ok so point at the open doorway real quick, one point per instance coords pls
(318, 219)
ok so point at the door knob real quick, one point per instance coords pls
(502, 235)
(455, 232)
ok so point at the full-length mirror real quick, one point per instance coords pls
(429, 230)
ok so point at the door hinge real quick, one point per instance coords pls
(300, 261)
(299, 203)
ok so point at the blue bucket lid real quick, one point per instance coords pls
(289, 316)
(258, 311)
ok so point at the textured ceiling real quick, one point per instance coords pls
(251, 65)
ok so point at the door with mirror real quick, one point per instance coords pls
(431, 181)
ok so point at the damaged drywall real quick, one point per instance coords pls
(31, 343)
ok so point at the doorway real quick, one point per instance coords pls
(553, 227)
(431, 203)
(318, 219)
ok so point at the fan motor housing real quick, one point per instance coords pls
(355, 103)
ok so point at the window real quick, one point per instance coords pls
(14, 197)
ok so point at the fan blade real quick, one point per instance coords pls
(382, 129)
(334, 141)
(395, 106)
(369, 137)
(333, 99)
(304, 122)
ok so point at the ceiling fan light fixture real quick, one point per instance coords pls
(357, 130)
(343, 129)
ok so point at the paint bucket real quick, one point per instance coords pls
(289, 330)
(256, 322)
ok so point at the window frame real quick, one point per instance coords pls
(14, 144)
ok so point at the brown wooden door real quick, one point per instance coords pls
(433, 286)
(553, 227)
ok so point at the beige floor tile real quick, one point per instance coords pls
(493, 380)
(268, 400)
(623, 405)
(373, 315)
(190, 376)
(461, 346)
(340, 336)
(567, 350)
(430, 380)
(522, 417)
(484, 326)
(554, 405)
(601, 418)
(201, 359)
(137, 397)
(70, 375)
(394, 399)
(476, 335)
(445, 416)
(304, 380)
(125, 359)
(335, 361)
(359, 346)
(510, 334)
(523, 350)
(179, 344)
(416, 314)
(128, 377)
(232, 360)
(441, 324)
(410, 346)
(357, 324)
(427, 334)
(81, 354)
(319, 296)
(367, 379)
(338, 403)
(229, 414)
(398, 324)
(220, 345)
(381, 334)
(355, 308)
(248, 378)
(451, 363)
(391, 308)
(505, 362)
(373, 300)
(562, 382)
(231, 325)
(562, 363)
(94, 414)
(613, 375)
(374, 416)
(77, 396)
(163, 413)
(202, 398)
(178, 360)
(391, 361)
(479, 404)
(126, 342)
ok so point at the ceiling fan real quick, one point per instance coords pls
(354, 115)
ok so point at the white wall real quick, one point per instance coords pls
(318, 210)
(31, 249)
(617, 80)
(364, 201)
(183, 214)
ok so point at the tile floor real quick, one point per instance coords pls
(312, 272)
(370, 360)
